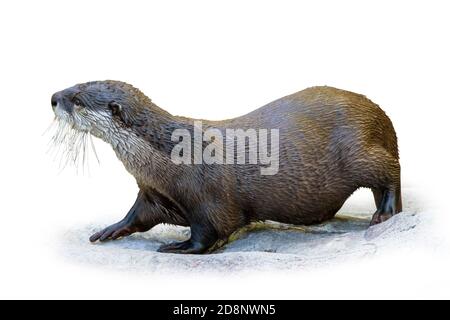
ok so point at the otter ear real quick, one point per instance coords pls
(117, 110)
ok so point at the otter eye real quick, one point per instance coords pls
(77, 102)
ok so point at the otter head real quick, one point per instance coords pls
(103, 108)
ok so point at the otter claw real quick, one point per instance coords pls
(112, 232)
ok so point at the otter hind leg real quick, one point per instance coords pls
(387, 208)
(378, 197)
(383, 175)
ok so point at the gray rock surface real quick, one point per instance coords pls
(261, 246)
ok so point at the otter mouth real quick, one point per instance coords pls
(70, 139)
(73, 119)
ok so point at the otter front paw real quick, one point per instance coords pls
(113, 232)
(187, 246)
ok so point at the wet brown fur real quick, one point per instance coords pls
(332, 142)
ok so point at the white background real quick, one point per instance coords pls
(214, 60)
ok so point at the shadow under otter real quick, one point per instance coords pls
(331, 142)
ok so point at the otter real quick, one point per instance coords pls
(331, 142)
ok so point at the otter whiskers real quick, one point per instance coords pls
(70, 146)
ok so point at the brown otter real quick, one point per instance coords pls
(331, 142)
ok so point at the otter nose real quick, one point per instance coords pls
(55, 99)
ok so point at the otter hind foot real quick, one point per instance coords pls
(388, 205)
(113, 232)
(380, 217)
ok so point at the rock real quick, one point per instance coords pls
(261, 246)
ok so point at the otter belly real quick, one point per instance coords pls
(296, 201)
